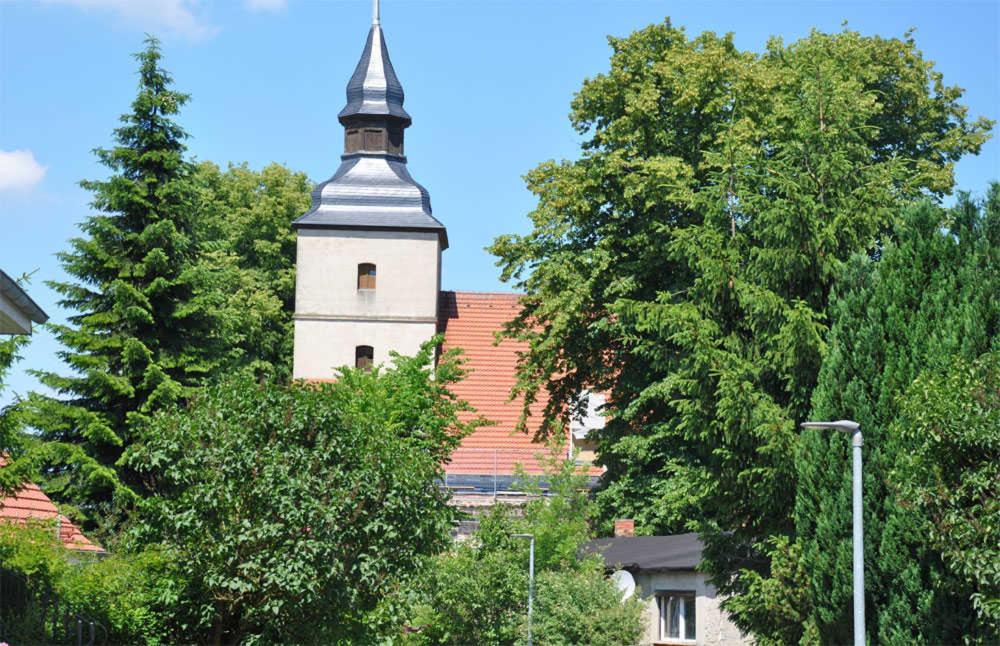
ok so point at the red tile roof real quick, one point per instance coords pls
(470, 321)
(30, 502)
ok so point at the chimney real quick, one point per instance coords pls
(624, 527)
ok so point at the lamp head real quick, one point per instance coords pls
(843, 425)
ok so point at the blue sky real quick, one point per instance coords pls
(488, 83)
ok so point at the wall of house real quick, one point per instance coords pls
(712, 627)
(12, 318)
(333, 316)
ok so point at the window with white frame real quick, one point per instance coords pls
(677, 622)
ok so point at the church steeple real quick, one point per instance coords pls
(368, 252)
(373, 188)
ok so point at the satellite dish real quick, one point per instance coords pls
(624, 582)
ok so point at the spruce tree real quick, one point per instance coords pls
(143, 331)
(929, 300)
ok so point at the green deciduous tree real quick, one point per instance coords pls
(683, 263)
(146, 329)
(582, 606)
(295, 511)
(245, 219)
(929, 300)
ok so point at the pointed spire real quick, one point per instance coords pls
(374, 88)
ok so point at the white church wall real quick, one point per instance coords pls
(406, 273)
(322, 345)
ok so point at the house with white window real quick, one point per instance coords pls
(682, 607)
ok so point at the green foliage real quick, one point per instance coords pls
(583, 607)
(248, 254)
(683, 264)
(146, 329)
(477, 592)
(10, 422)
(560, 520)
(123, 594)
(952, 477)
(929, 300)
(294, 511)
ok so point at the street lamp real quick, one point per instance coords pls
(531, 577)
(847, 426)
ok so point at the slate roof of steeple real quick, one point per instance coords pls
(374, 88)
(373, 190)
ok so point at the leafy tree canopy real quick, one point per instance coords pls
(293, 511)
(683, 264)
(184, 273)
(477, 592)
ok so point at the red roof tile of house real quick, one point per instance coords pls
(470, 321)
(30, 502)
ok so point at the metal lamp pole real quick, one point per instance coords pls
(531, 577)
(847, 426)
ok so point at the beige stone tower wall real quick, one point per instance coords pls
(333, 316)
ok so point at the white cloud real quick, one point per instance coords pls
(177, 16)
(19, 171)
(265, 5)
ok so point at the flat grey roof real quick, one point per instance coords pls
(13, 291)
(674, 552)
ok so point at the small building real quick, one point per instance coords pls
(682, 607)
(17, 310)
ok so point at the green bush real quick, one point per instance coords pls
(478, 592)
(122, 594)
(581, 606)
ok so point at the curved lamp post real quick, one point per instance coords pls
(847, 426)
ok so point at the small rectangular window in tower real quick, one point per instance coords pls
(364, 357)
(366, 276)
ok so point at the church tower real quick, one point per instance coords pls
(368, 267)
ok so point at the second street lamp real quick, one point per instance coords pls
(531, 577)
(847, 426)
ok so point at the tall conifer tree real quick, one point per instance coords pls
(143, 333)
(931, 299)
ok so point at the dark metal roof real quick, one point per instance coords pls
(372, 191)
(374, 89)
(13, 291)
(675, 552)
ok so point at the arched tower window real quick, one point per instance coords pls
(364, 357)
(366, 276)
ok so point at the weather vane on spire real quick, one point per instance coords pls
(375, 12)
